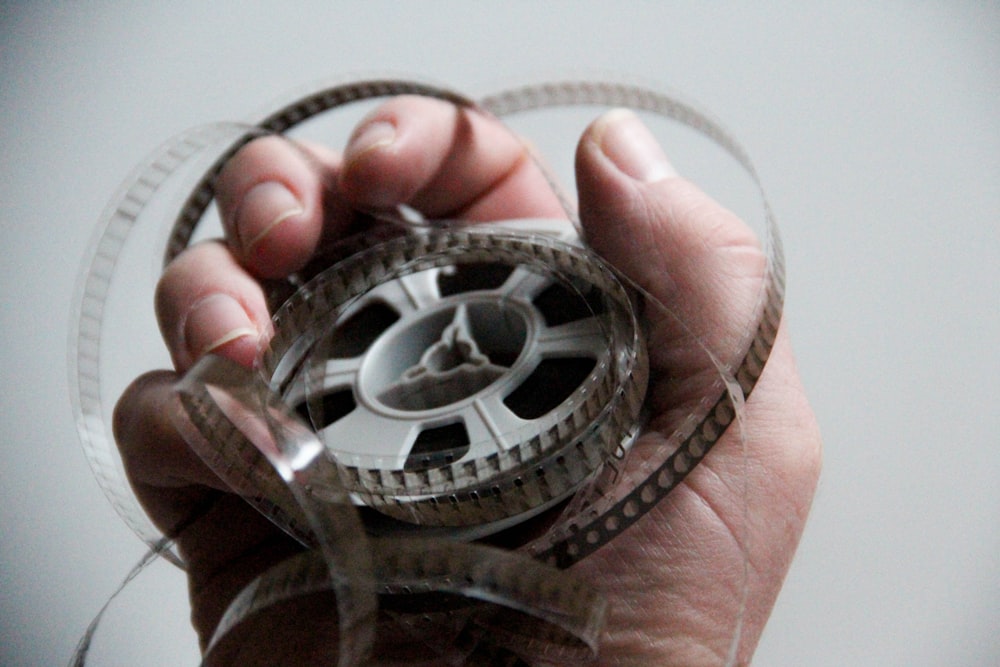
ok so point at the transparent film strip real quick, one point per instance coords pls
(448, 415)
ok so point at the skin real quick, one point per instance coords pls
(677, 579)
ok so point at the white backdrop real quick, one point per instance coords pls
(876, 131)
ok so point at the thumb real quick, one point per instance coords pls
(692, 255)
(706, 269)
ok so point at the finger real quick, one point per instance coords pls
(694, 256)
(155, 456)
(276, 200)
(444, 161)
(223, 540)
(206, 302)
(704, 265)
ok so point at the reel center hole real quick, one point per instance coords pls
(447, 355)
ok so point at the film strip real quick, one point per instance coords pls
(433, 328)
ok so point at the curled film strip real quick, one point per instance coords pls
(446, 340)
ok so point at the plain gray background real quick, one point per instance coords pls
(876, 129)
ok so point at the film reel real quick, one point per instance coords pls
(462, 462)
(500, 386)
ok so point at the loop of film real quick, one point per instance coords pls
(429, 384)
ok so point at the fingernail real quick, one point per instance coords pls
(214, 321)
(263, 208)
(626, 141)
(369, 137)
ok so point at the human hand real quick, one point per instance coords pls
(675, 580)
